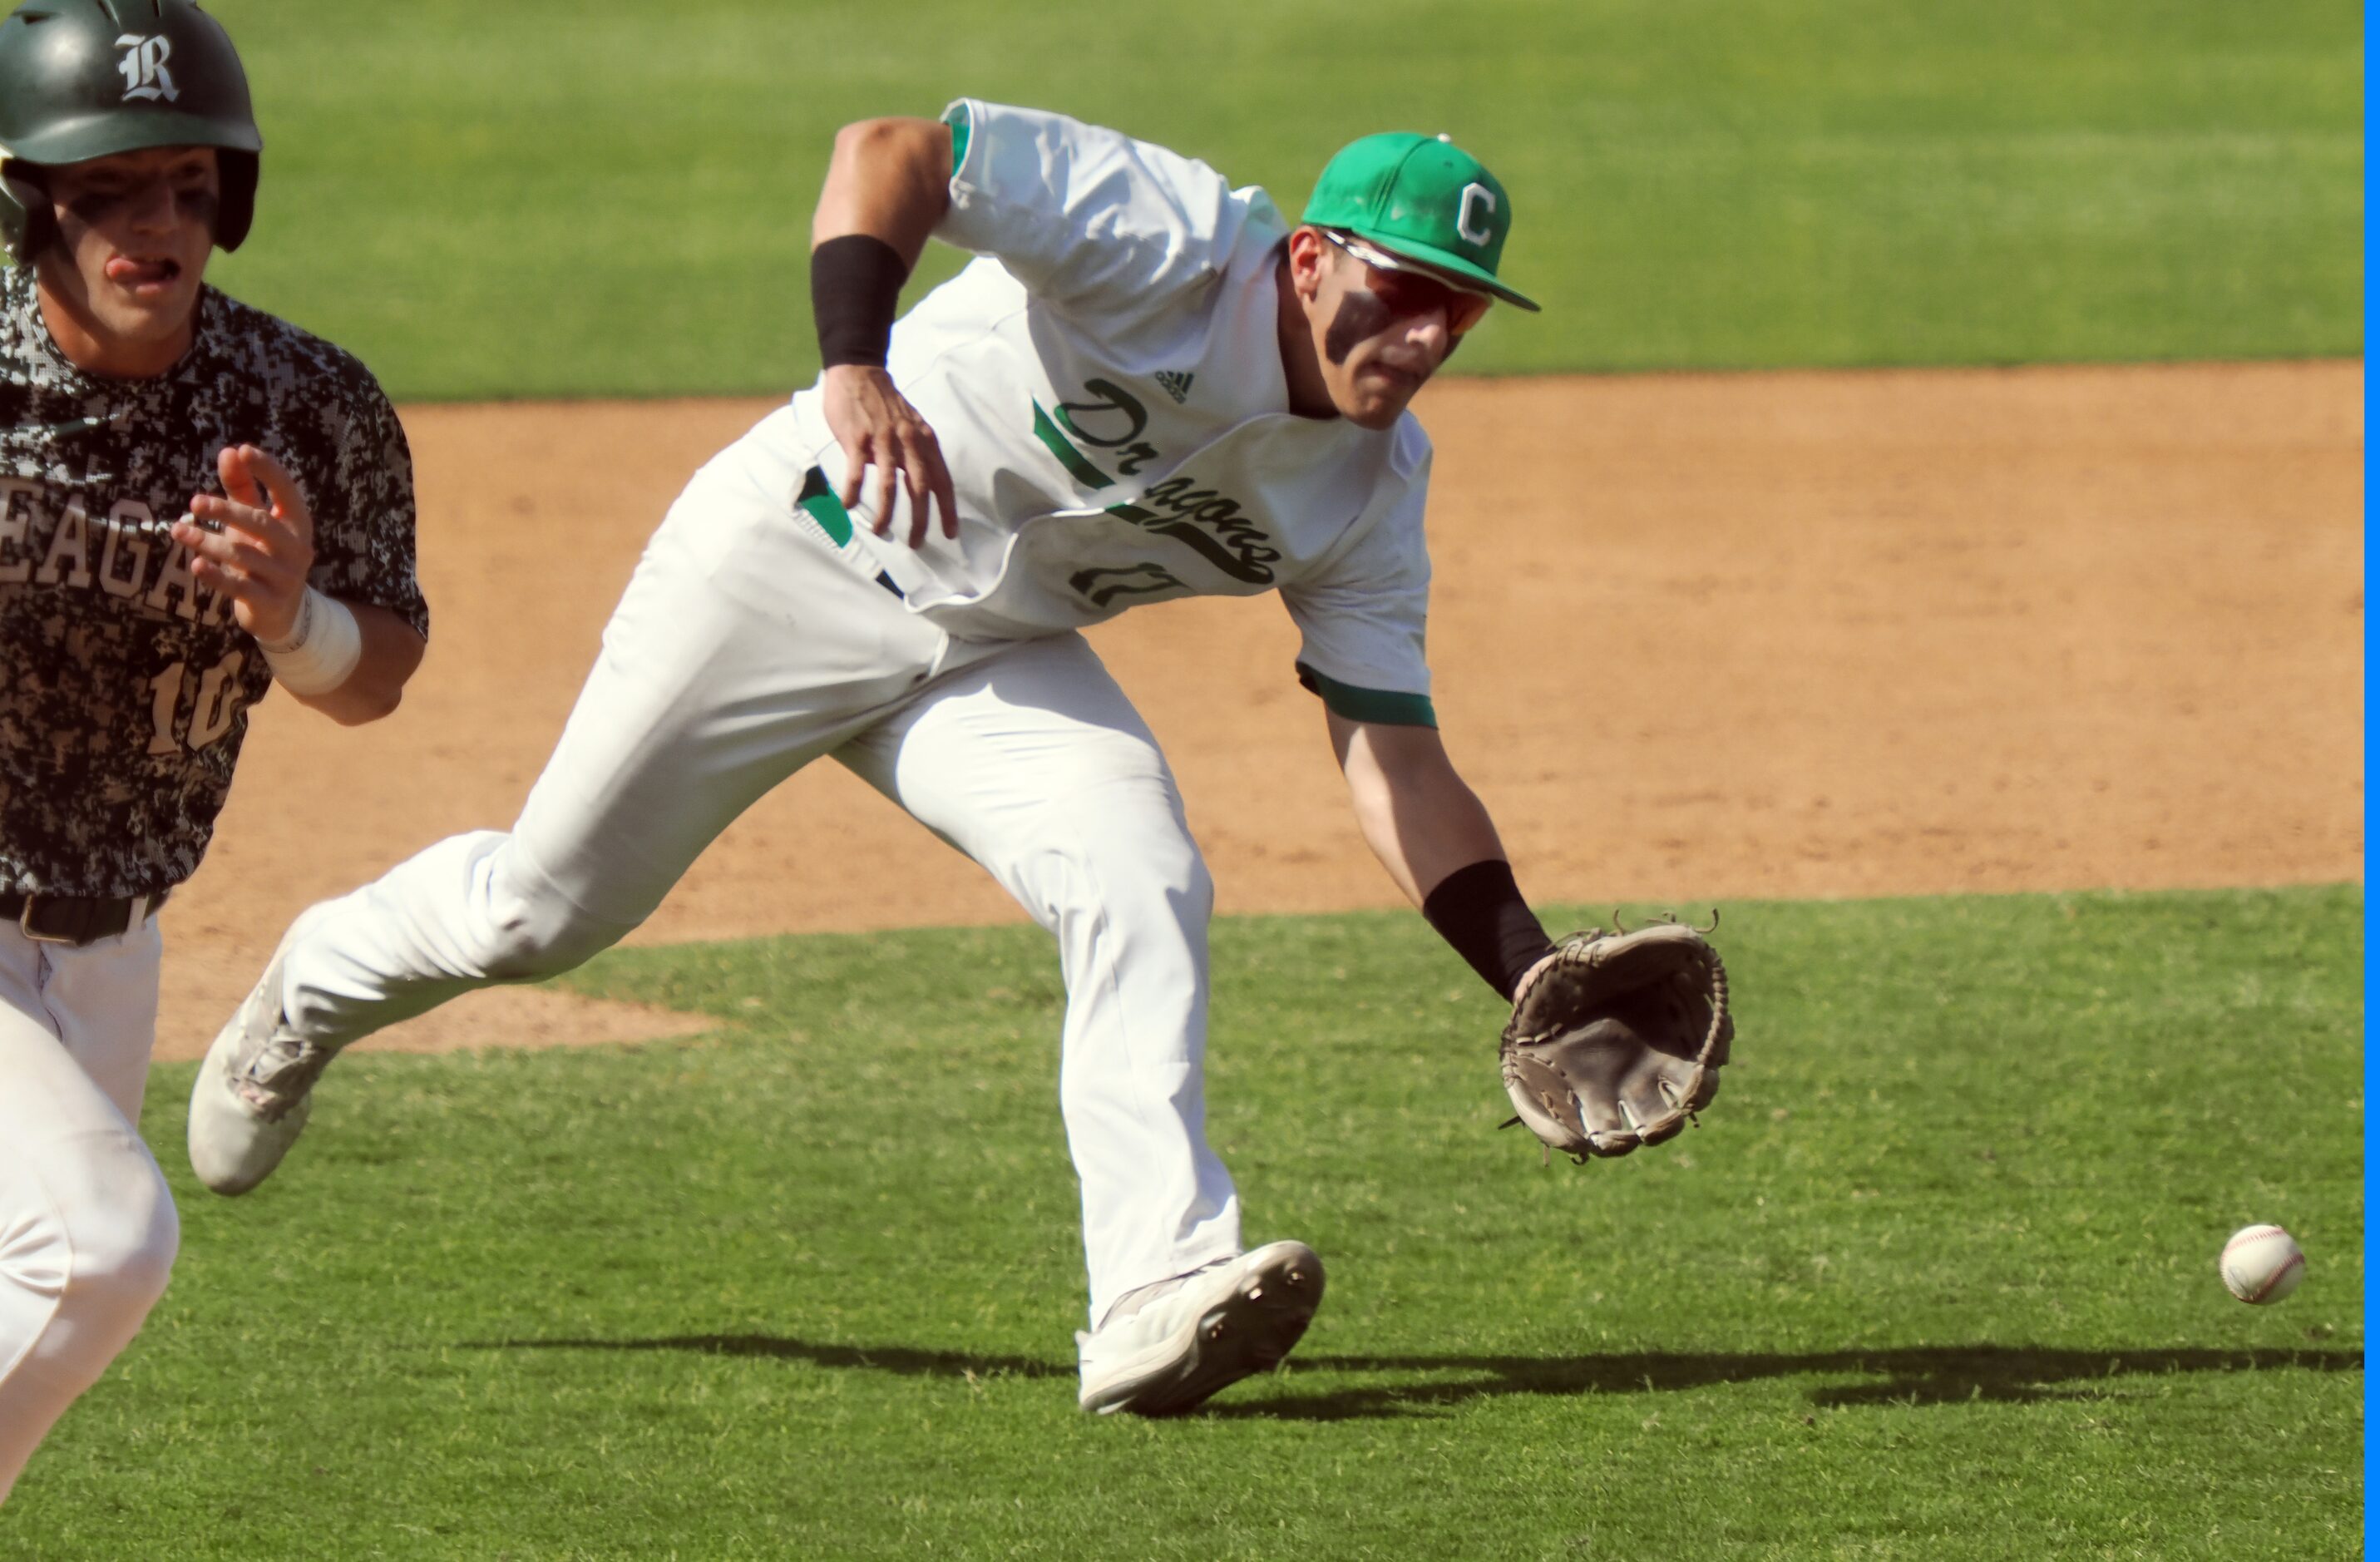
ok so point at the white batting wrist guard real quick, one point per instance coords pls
(322, 647)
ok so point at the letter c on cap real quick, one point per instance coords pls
(1486, 198)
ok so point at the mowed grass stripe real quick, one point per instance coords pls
(549, 198)
(1935, 1279)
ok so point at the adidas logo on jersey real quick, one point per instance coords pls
(1176, 385)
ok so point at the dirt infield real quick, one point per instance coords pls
(1696, 638)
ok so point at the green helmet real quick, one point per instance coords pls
(84, 79)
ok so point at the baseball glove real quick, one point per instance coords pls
(1616, 1039)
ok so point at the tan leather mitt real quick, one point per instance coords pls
(1616, 1039)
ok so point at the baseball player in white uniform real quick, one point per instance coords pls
(1148, 385)
(197, 501)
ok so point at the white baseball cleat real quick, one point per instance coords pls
(1200, 1332)
(252, 1098)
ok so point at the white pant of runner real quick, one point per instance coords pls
(744, 647)
(87, 1228)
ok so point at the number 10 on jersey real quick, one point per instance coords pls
(211, 712)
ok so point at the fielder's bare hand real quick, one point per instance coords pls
(877, 427)
(253, 543)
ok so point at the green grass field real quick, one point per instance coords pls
(1934, 1279)
(549, 198)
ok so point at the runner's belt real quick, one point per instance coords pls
(75, 918)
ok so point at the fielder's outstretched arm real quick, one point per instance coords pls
(1421, 819)
(1431, 832)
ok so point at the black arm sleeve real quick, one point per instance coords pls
(855, 292)
(1479, 910)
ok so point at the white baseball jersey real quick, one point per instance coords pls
(1107, 387)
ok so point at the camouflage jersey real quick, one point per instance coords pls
(125, 685)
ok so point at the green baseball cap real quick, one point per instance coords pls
(1422, 198)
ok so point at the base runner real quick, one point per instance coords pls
(196, 500)
(1148, 384)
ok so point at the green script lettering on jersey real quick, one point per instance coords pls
(1113, 405)
(1208, 524)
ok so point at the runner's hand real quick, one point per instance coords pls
(254, 542)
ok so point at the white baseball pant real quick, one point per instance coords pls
(744, 647)
(88, 1231)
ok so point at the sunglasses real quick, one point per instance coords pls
(1408, 291)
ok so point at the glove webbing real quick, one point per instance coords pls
(1717, 979)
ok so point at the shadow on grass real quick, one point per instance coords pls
(1943, 1374)
(899, 1360)
(1940, 1374)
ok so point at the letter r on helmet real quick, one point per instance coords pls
(144, 68)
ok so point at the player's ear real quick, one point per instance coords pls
(1308, 253)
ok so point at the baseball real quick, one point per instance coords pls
(2261, 1264)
